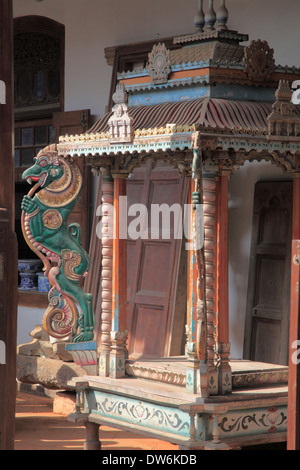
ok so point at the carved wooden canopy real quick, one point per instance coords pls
(208, 91)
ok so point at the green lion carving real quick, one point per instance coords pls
(45, 212)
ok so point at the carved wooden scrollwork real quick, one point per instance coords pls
(259, 60)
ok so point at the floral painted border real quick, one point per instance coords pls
(153, 416)
(271, 420)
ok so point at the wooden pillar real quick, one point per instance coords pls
(192, 372)
(107, 272)
(293, 432)
(210, 250)
(92, 441)
(225, 385)
(8, 243)
(119, 288)
(196, 373)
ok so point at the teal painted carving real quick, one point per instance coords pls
(45, 212)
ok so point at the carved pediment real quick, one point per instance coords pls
(159, 66)
(259, 60)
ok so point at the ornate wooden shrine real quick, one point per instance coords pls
(205, 104)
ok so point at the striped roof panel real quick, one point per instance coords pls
(207, 112)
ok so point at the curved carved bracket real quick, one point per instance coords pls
(232, 160)
(126, 163)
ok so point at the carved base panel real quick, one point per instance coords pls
(117, 365)
(169, 413)
(239, 374)
(85, 355)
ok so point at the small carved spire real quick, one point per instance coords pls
(222, 16)
(210, 17)
(120, 123)
(199, 20)
(284, 121)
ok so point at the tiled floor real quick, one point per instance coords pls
(38, 428)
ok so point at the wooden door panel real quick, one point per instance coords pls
(153, 263)
(274, 226)
(148, 319)
(270, 290)
(266, 340)
(267, 316)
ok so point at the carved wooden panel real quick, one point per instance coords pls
(267, 320)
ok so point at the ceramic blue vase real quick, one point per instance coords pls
(43, 283)
(28, 281)
(28, 269)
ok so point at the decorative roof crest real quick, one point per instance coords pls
(159, 66)
(259, 60)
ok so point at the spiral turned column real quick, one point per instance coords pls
(119, 331)
(196, 371)
(223, 349)
(210, 250)
(107, 272)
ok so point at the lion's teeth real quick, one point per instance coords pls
(29, 180)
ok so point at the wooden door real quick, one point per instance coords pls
(267, 316)
(71, 123)
(152, 264)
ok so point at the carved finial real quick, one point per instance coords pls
(120, 123)
(120, 95)
(210, 17)
(222, 16)
(199, 20)
(283, 92)
(284, 121)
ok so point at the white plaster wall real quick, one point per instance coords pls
(92, 25)
(28, 318)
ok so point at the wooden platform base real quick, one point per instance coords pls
(245, 374)
(247, 416)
